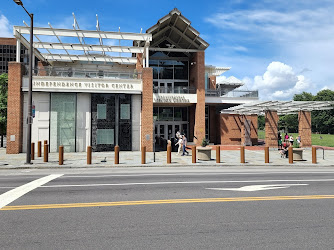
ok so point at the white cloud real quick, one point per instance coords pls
(5, 28)
(278, 82)
(302, 35)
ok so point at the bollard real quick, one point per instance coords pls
(89, 155)
(46, 152)
(217, 154)
(193, 154)
(169, 154)
(45, 142)
(61, 155)
(143, 155)
(266, 154)
(32, 151)
(290, 152)
(116, 154)
(39, 149)
(242, 154)
(314, 155)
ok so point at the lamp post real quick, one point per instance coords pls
(29, 102)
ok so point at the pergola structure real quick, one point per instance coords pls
(90, 45)
(272, 109)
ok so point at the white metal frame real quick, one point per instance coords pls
(90, 51)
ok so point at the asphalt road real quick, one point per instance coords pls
(167, 208)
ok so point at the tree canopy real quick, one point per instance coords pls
(3, 102)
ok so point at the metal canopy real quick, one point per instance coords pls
(282, 107)
(96, 51)
(177, 30)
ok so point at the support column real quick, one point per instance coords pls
(304, 128)
(14, 109)
(271, 128)
(147, 110)
(197, 79)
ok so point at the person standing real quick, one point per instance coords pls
(279, 140)
(184, 145)
(291, 140)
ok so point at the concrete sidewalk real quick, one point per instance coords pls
(133, 159)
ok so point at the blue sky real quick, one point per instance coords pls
(278, 47)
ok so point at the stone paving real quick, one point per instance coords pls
(229, 157)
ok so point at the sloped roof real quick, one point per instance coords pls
(178, 31)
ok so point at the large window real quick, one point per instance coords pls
(170, 113)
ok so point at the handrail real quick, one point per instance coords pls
(175, 90)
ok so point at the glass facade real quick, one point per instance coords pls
(62, 121)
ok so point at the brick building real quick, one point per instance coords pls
(8, 53)
(150, 86)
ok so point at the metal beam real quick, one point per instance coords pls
(96, 58)
(86, 47)
(86, 33)
(27, 45)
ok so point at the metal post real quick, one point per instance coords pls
(32, 151)
(193, 154)
(116, 154)
(169, 154)
(39, 149)
(89, 155)
(266, 154)
(46, 152)
(29, 102)
(217, 154)
(290, 152)
(242, 154)
(143, 155)
(61, 155)
(314, 155)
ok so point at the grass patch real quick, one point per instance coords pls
(325, 140)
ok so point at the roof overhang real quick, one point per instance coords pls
(179, 31)
(80, 50)
(281, 107)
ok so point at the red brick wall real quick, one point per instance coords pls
(304, 128)
(230, 129)
(139, 64)
(197, 79)
(7, 41)
(271, 128)
(147, 109)
(14, 108)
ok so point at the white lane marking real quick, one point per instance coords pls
(16, 193)
(189, 174)
(177, 182)
(253, 188)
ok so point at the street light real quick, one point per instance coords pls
(29, 103)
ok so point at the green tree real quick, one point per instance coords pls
(261, 122)
(3, 104)
(303, 97)
(323, 120)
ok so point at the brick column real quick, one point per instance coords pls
(41, 68)
(147, 109)
(230, 129)
(271, 128)
(213, 80)
(197, 79)
(139, 64)
(191, 111)
(14, 109)
(304, 128)
(254, 126)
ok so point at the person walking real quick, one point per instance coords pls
(184, 145)
(180, 143)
